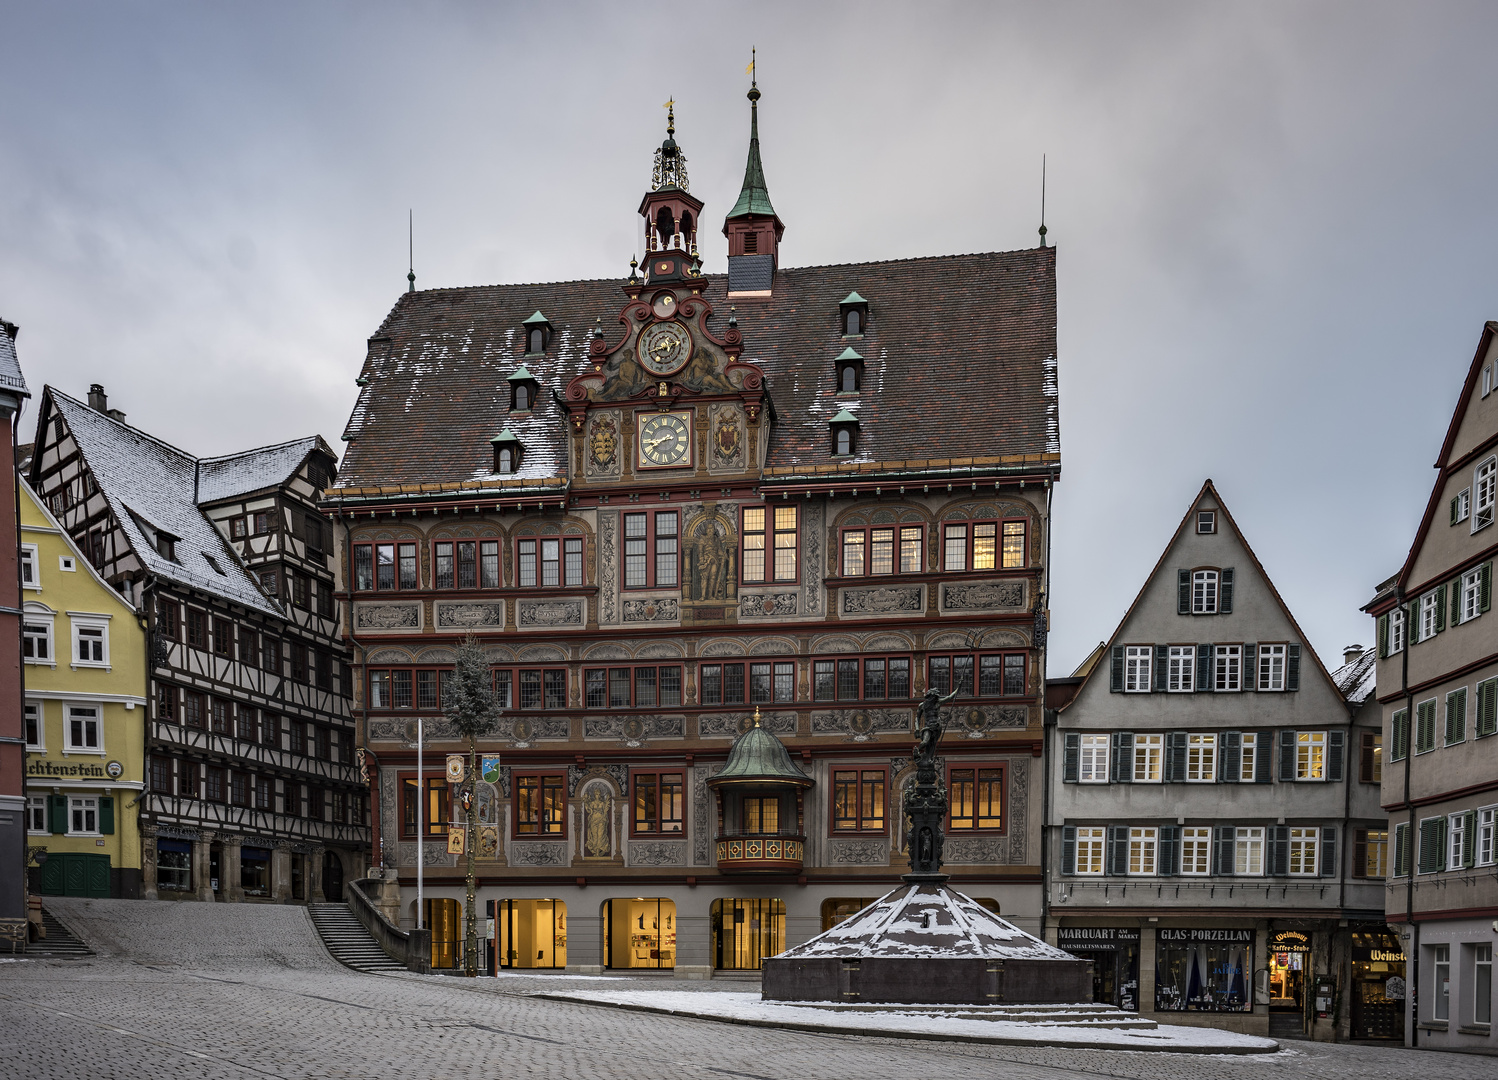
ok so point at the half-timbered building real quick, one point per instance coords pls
(681, 509)
(252, 792)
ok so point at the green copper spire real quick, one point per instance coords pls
(755, 196)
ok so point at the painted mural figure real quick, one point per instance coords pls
(596, 823)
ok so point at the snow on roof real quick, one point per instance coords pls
(928, 921)
(146, 480)
(232, 475)
(10, 366)
(1356, 679)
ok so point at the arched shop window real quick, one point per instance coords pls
(639, 933)
(746, 931)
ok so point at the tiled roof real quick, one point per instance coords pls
(233, 475)
(10, 366)
(960, 363)
(1356, 679)
(141, 476)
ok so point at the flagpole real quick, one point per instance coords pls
(420, 834)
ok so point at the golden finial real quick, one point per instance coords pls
(756, 716)
(670, 107)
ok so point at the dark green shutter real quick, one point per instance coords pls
(1175, 757)
(57, 813)
(1250, 667)
(1263, 755)
(1071, 758)
(1487, 707)
(1123, 757)
(1162, 667)
(1456, 600)
(1183, 592)
(1204, 667)
(1456, 716)
(1432, 845)
(1399, 735)
(106, 816)
(1069, 849)
(1118, 849)
(1383, 636)
(1469, 839)
(1168, 861)
(1453, 511)
(1360, 853)
(1336, 754)
(1222, 850)
(1292, 667)
(1118, 669)
(1485, 586)
(1412, 623)
(1440, 608)
(1230, 762)
(1287, 755)
(1328, 852)
(1401, 849)
(1225, 592)
(1279, 850)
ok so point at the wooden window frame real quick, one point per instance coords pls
(514, 672)
(413, 680)
(196, 619)
(897, 543)
(723, 664)
(976, 767)
(635, 776)
(862, 775)
(969, 551)
(653, 540)
(435, 782)
(863, 676)
(544, 777)
(770, 536)
(633, 671)
(1370, 757)
(537, 568)
(454, 555)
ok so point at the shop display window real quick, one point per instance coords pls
(746, 931)
(840, 908)
(174, 865)
(443, 917)
(254, 871)
(529, 933)
(1378, 986)
(1203, 970)
(639, 933)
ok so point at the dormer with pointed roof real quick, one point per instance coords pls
(752, 226)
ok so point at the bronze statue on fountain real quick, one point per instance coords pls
(925, 802)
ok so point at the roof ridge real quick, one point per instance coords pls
(56, 393)
(215, 459)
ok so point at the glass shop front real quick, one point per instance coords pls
(746, 931)
(1200, 970)
(639, 933)
(528, 934)
(1114, 953)
(1378, 987)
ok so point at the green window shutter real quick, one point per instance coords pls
(1401, 849)
(1230, 767)
(1456, 716)
(1328, 852)
(1412, 622)
(1279, 850)
(1336, 755)
(1485, 586)
(1263, 752)
(1453, 511)
(1456, 600)
(1222, 850)
(1169, 864)
(1072, 758)
(106, 816)
(1203, 668)
(1069, 849)
(1162, 666)
(1383, 636)
(57, 814)
(1287, 755)
(1174, 771)
(1225, 592)
(1469, 839)
(1183, 592)
(1360, 853)
(1123, 757)
(1292, 667)
(1440, 608)
(1250, 667)
(1425, 723)
(1487, 707)
(1118, 670)
(1118, 849)
(1399, 735)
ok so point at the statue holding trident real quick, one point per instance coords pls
(926, 800)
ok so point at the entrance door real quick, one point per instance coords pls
(1287, 987)
(442, 918)
(76, 874)
(747, 931)
(332, 877)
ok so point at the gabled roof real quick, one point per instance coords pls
(1207, 488)
(961, 343)
(236, 475)
(1357, 679)
(11, 378)
(144, 478)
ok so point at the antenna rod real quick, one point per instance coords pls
(1042, 200)
(411, 250)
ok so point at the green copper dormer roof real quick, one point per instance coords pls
(505, 436)
(852, 298)
(521, 374)
(849, 354)
(537, 318)
(843, 417)
(755, 196)
(759, 757)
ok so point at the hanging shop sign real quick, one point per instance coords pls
(455, 841)
(454, 768)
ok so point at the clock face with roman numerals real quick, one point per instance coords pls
(665, 440)
(665, 348)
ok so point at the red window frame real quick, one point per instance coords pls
(168, 619)
(838, 672)
(194, 709)
(532, 557)
(664, 815)
(729, 673)
(540, 784)
(980, 666)
(658, 549)
(867, 541)
(550, 684)
(197, 628)
(848, 802)
(979, 774)
(436, 785)
(775, 555)
(998, 557)
(402, 688)
(404, 572)
(466, 564)
(602, 686)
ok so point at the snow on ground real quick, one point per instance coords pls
(749, 1009)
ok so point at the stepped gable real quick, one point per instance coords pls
(926, 921)
(964, 344)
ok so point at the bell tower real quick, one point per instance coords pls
(671, 212)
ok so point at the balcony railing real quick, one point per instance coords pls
(760, 854)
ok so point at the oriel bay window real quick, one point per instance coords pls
(659, 803)
(652, 550)
(541, 805)
(638, 688)
(465, 564)
(858, 800)
(406, 688)
(769, 539)
(976, 798)
(531, 688)
(869, 678)
(548, 562)
(886, 550)
(434, 815)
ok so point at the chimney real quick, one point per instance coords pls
(1351, 653)
(96, 398)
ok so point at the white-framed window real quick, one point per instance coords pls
(1091, 842)
(1305, 845)
(1310, 755)
(1143, 845)
(1487, 833)
(36, 638)
(1137, 660)
(83, 815)
(1487, 379)
(1228, 668)
(1147, 753)
(1482, 984)
(1204, 592)
(36, 725)
(1271, 667)
(1196, 850)
(1430, 610)
(1396, 630)
(1485, 487)
(90, 642)
(1247, 772)
(1201, 758)
(1206, 522)
(36, 814)
(1471, 600)
(1456, 839)
(1093, 763)
(83, 732)
(31, 577)
(1248, 851)
(1461, 506)
(1440, 1004)
(1182, 673)
(67, 564)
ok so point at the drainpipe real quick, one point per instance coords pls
(1412, 957)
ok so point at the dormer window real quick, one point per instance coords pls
(537, 334)
(844, 434)
(854, 313)
(523, 387)
(849, 372)
(507, 453)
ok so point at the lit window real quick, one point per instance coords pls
(1248, 852)
(1147, 756)
(1182, 673)
(984, 539)
(1310, 755)
(1143, 844)
(1246, 769)
(1091, 843)
(540, 805)
(659, 805)
(1201, 757)
(858, 800)
(976, 798)
(780, 538)
(911, 559)
(1093, 762)
(1304, 847)
(1196, 850)
(1137, 660)
(1014, 544)
(1204, 592)
(1376, 856)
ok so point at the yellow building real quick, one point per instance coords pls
(85, 673)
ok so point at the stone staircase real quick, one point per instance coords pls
(60, 942)
(348, 941)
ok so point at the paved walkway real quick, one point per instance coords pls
(199, 990)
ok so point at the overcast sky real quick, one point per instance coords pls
(1277, 231)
